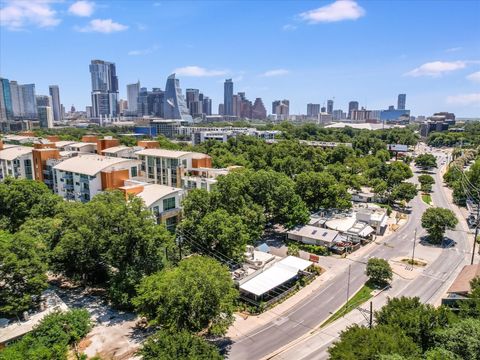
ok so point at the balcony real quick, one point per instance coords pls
(68, 187)
(67, 176)
(84, 180)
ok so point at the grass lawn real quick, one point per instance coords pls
(427, 198)
(359, 298)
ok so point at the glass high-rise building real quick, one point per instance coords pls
(174, 104)
(132, 96)
(6, 108)
(45, 116)
(402, 100)
(43, 100)
(352, 105)
(29, 101)
(330, 107)
(104, 89)
(313, 110)
(228, 97)
(207, 105)
(56, 104)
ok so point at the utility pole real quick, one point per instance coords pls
(413, 251)
(348, 290)
(476, 231)
(371, 315)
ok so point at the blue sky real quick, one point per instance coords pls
(305, 51)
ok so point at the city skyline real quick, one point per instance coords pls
(436, 76)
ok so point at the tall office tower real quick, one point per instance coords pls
(132, 96)
(104, 89)
(122, 106)
(6, 109)
(207, 105)
(174, 104)
(17, 99)
(236, 105)
(29, 101)
(221, 109)
(45, 116)
(338, 115)
(330, 107)
(142, 102)
(313, 110)
(258, 110)
(401, 102)
(280, 108)
(88, 110)
(193, 101)
(56, 104)
(352, 105)
(323, 109)
(228, 97)
(155, 100)
(43, 100)
(62, 111)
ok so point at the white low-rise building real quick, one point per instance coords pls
(16, 161)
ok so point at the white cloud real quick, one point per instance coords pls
(436, 68)
(143, 51)
(82, 8)
(275, 72)
(464, 99)
(289, 27)
(105, 26)
(475, 77)
(198, 71)
(336, 11)
(453, 49)
(17, 14)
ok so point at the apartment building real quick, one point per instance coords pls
(164, 167)
(16, 161)
(122, 151)
(82, 177)
(163, 201)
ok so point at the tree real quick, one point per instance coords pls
(50, 339)
(197, 295)
(379, 271)
(165, 345)
(417, 320)
(426, 161)
(361, 343)
(21, 199)
(22, 274)
(461, 338)
(396, 172)
(436, 221)
(321, 190)
(426, 182)
(404, 191)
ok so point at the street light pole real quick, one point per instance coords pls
(476, 232)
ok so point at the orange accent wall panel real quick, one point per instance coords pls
(114, 179)
(103, 144)
(53, 138)
(205, 162)
(40, 157)
(148, 144)
(89, 138)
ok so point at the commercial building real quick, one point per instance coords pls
(83, 176)
(132, 97)
(330, 107)
(258, 110)
(313, 235)
(45, 116)
(339, 115)
(104, 90)
(352, 105)
(6, 108)
(395, 115)
(360, 116)
(281, 109)
(56, 104)
(461, 289)
(29, 101)
(174, 104)
(207, 106)
(313, 110)
(228, 97)
(401, 102)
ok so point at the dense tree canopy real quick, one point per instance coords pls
(22, 273)
(196, 295)
(426, 182)
(426, 161)
(404, 191)
(165, 345)
(436, 221)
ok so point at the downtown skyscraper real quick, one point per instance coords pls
(104, 89)
(56, 105)
(401, 102)
(132, 96)
(174, 105)
(228, 97)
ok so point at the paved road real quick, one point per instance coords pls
(309, 313)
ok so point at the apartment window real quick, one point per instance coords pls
(171, 223)
(156, 211)
(133, 170)
(169, 204)
(28, 169)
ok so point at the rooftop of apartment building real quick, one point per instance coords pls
(150, 192)
(171, 153)
(89, 164)
(12, 152)
(116, 149)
